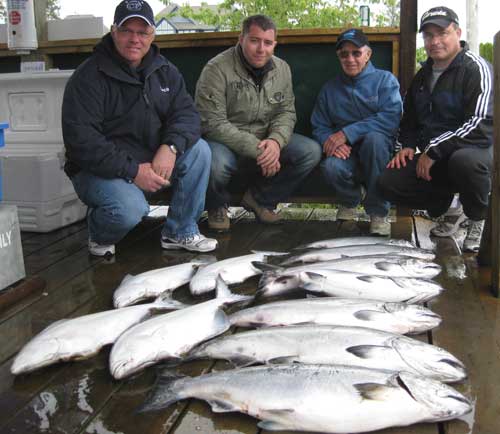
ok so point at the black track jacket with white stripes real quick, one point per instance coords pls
(457, 114)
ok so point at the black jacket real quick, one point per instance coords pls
(115, 117)
(457, 114)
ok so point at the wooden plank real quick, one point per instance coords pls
(468, 332)
(33, 241)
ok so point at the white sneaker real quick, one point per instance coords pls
(473, 239)
(380, 226)
(193, 243)
(346, 213)
(448, 224)
(101, 249)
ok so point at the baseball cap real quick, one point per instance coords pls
(440, 16)
(133, 8)
(355, 36)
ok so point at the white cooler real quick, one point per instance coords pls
(33, 157)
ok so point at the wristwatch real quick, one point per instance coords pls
(173, 149)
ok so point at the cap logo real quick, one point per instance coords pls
(434, 13)
(134, 5)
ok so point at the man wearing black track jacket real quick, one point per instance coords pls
(447, 116)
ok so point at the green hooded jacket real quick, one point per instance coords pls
(238, 113)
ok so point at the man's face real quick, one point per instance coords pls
(133, 39)
(258, 46)
(441, 44)
(353, 59)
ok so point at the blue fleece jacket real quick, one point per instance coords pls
(369, 102)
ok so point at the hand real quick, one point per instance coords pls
(399, 159)
(343, 152)
(424, 165)
(333, 142)
(163, 162)
(269, 171)
(147, 180)
(270, 153)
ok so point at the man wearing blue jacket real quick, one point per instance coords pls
(448, 117)
(356, 119)
(130, 128)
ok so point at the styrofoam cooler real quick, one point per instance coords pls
(33, 157)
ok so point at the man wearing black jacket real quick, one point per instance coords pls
(130, 128)
(447, 116)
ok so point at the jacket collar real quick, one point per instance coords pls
(243, 71)
(111, 63)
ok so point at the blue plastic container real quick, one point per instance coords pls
(2, 143)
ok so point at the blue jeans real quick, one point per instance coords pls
(367, 161)
(116, 206)
(297, 160)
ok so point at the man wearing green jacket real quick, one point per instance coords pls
(245, 98)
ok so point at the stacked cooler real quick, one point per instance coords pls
(33, 157)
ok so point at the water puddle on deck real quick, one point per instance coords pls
(44, 409)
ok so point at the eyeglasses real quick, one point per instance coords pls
(125, 31)
(345, 54)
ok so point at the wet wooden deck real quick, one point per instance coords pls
(82, 397)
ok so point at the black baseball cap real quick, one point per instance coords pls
(133, 8)
(355, 36)
(440, 16)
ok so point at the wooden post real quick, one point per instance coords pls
(408, 43)
(495, 193)
(472, 26)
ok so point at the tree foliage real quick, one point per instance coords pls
(486, 51)
(53, 9)
(291, 13)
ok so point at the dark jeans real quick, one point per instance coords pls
(467, 172)
(297, 160)
(367, 161)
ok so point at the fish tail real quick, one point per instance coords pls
(166, 302)
(165, 392)
(222, 291)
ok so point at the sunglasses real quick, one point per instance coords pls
(344, 54)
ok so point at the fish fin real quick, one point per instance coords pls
(366, 278)
(373, 391)
(166, 302)
(242, 361)
(368, 351)
(220, 406)
(163, 393)
(264, 266)
(368, 315)
(383, 265)
(127, 277)
(314, 276)
(271, 425)
(284, 360)
(223, 291)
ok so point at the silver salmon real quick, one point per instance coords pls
(333, 345)
(317, 398)
(170, 336)
(83, 337)
(399, 318)
(232, 270)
